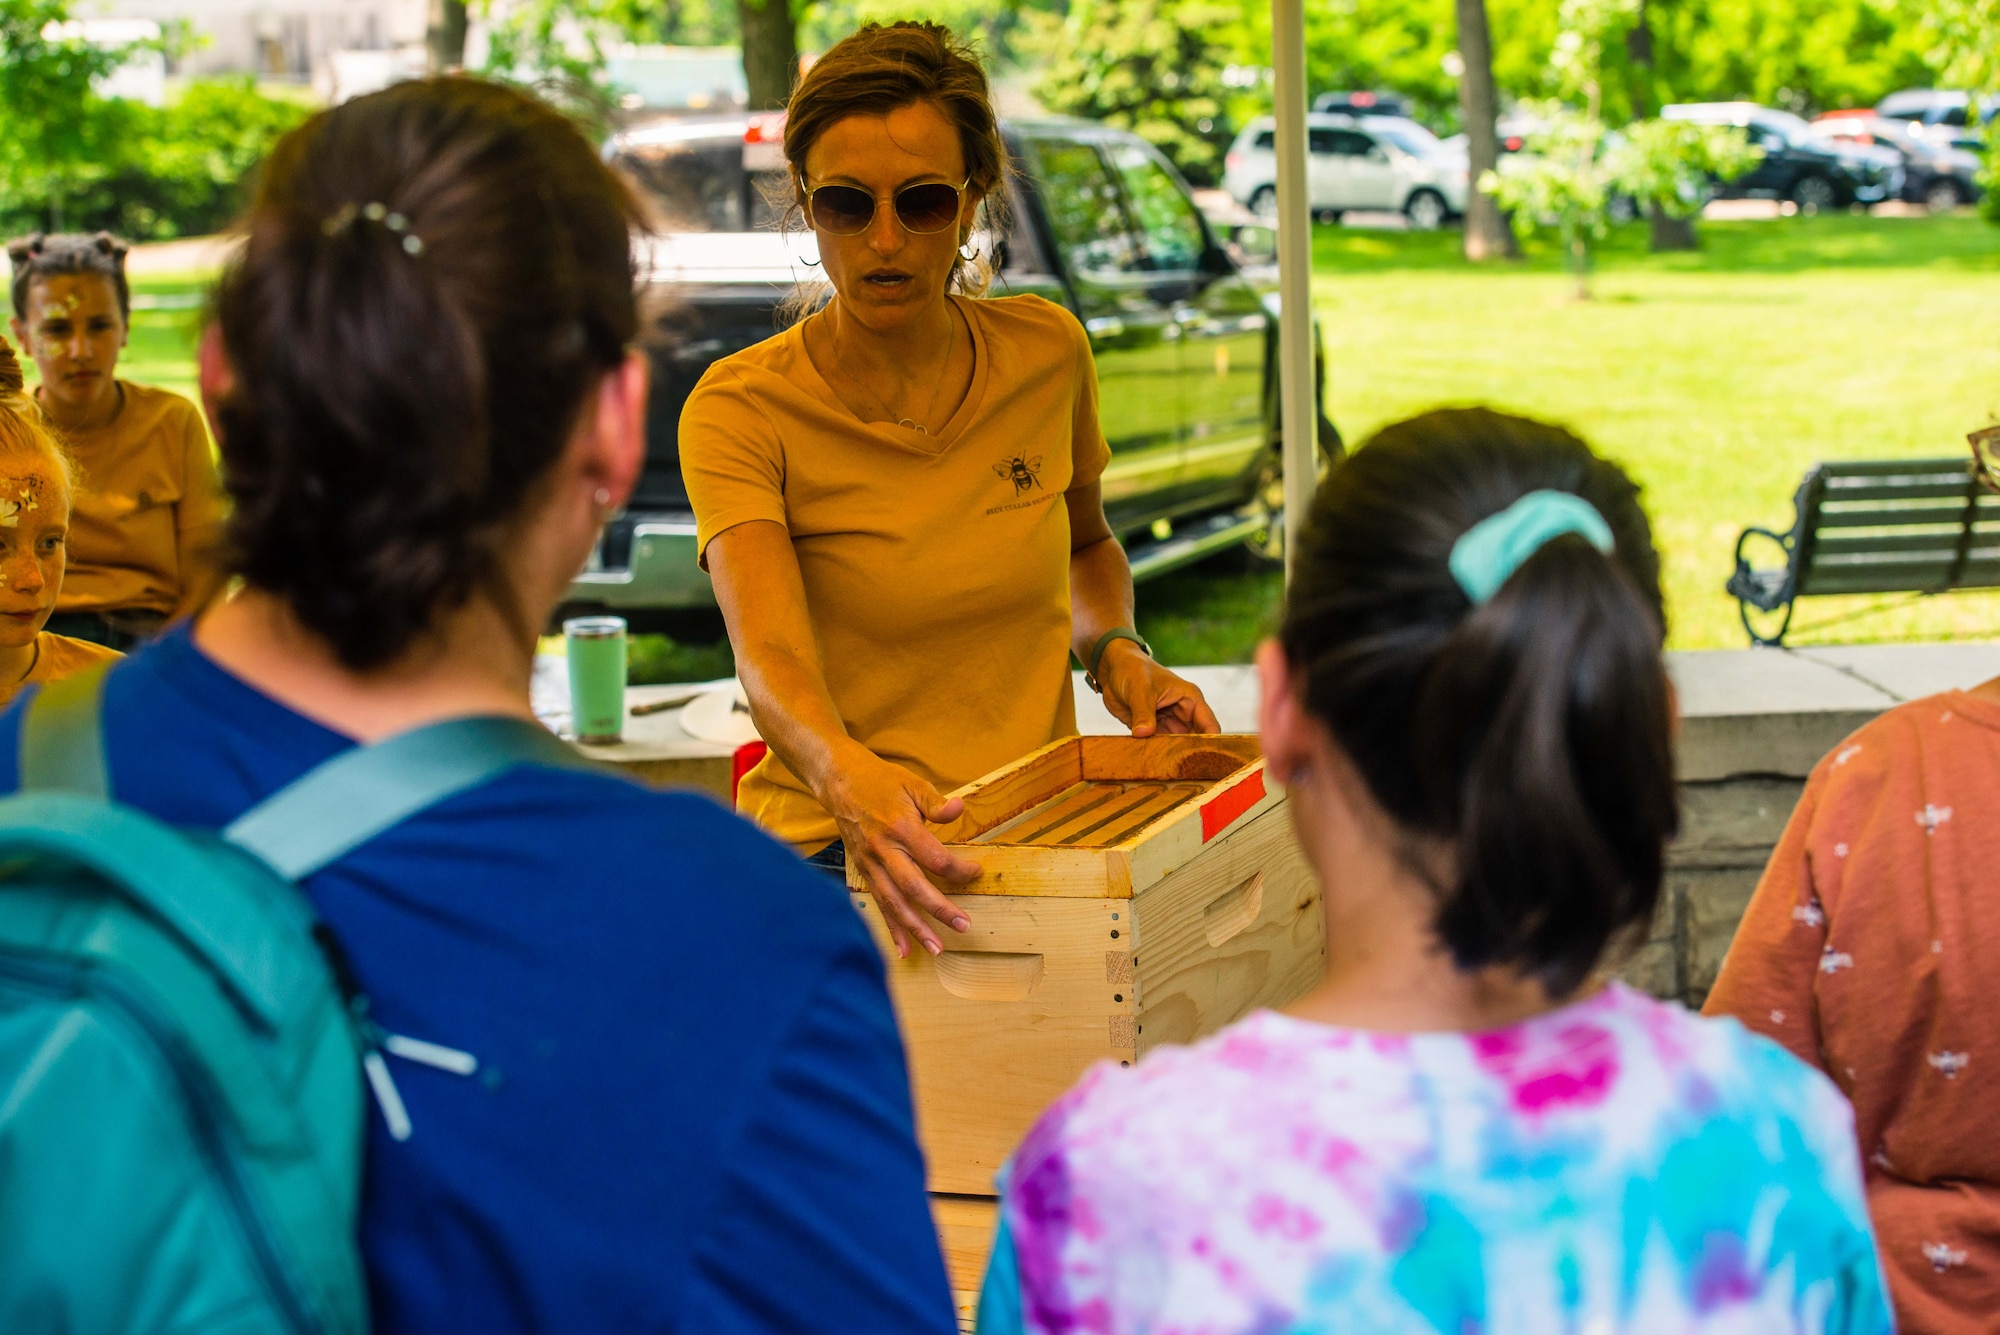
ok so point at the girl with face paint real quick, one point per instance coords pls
(149, 517)
(35, 489)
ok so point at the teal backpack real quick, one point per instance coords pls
(182, 1055)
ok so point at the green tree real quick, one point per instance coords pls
(1802, 55)
(1667, 166)
(1486, 235)
(556, 49)
(57, 136)
(1962, 40)
(996, 27)
(169, 171)
(1155, 67)
(677, 22)
(770, 32)
(1558, 180)
(444, 34)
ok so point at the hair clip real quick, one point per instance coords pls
(374, 211)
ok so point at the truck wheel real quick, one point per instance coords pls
(1941, 196)
(1426, 211)
(1264, 202)
(1265, 548)
(1815, 194)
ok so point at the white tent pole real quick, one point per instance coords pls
(1298, 416)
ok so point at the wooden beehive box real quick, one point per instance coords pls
(1133, 892)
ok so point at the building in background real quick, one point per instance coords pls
(292, 41)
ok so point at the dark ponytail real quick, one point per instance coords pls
(435, 277)
(1530, 737)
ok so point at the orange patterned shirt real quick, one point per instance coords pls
(1870, 950)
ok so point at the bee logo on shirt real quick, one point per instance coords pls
(1024, 471)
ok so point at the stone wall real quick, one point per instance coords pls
(1728, 828)
(1753, 725)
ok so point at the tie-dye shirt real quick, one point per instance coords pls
(1617, 1165)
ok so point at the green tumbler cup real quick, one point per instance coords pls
(596, 647)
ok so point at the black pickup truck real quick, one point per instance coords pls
(1185, 341)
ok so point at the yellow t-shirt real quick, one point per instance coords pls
(936, 568)
(146, 524)
(56, 657)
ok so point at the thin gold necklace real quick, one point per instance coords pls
(951, 345)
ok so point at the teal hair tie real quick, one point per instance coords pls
(1487, 554)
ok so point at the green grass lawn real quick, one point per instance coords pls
(1717, 378)
(166, 323)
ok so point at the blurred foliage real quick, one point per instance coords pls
(554, 48)
(1155, 67)
(56, 134)
(147, 173)
(653, 659)
(1801, 55)
(1670, 163)
(1963, 38)
(1571, 166)
(1558, 180)
(998, 28)
(675, 22)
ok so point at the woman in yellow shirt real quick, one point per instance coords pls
(899, 496)
(148, 518)
(34, 524)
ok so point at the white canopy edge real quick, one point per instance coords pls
(1298, 415)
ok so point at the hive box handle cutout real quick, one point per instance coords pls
(988, 975)
(1233, 910)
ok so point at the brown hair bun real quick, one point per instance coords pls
(882, 68)
(435, 277)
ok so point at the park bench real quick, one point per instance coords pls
(1880, 526)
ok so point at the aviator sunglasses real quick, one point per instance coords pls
(1986, 455)
(846, 210)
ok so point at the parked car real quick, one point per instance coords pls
(1945, 116)
(1388, 163)
(1363, 103)
(1798, 165)
(1935, 175)
(1185, 345)
(1512, 132)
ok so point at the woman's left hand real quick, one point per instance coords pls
(1146, 697)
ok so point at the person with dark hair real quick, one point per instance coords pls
(1463, 1127)
(900, 498)
(148, 515)
(659, 1084)
(37, 482)
(1867, 951)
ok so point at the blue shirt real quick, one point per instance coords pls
(692, 1111)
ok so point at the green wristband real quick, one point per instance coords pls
(1103, 643)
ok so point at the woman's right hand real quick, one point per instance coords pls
(884, 813)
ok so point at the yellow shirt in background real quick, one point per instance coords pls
(56, 657)
(936, 568)
(146, 524)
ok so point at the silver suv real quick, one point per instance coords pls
(1354, 163)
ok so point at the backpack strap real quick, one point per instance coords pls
(62, 743)
(335, 808)
(325, 813)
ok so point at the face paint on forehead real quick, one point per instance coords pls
(60, 306)
(18, 496)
